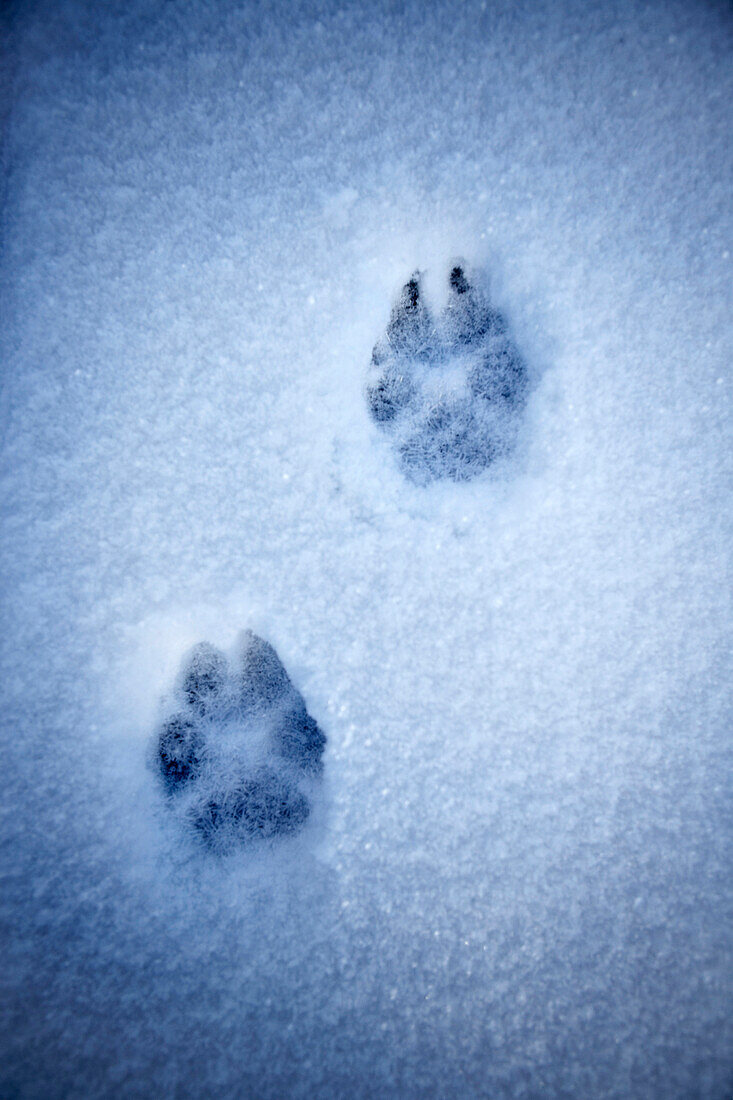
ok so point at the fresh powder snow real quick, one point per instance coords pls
(514, 878)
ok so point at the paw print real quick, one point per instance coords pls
(239, 757)
(448, 392)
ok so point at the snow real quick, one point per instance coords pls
(519, 881)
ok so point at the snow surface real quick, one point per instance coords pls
(519, 884)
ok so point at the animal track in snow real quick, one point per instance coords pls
(239, 756)
(448, 392)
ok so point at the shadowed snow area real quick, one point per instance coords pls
(515, 878)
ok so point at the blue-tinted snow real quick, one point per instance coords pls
(519, 883)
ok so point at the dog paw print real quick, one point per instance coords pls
(447, 391)
(239, 756)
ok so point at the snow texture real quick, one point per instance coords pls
(514, 880)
